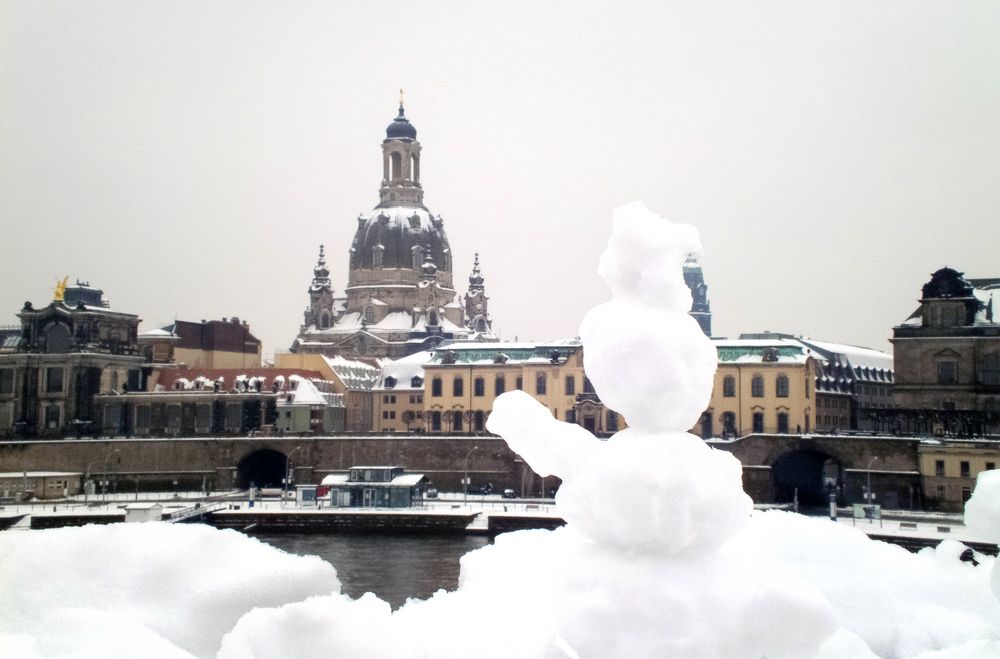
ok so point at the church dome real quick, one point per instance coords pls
(400, 128)
(400, 237)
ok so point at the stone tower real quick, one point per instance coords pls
(319, 313)
(477, 317)
(700, 308)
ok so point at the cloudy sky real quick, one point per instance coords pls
(189, 157)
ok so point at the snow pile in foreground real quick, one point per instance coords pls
(661, 556)
(169, 590)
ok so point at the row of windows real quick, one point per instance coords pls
(757, 421)
(500, 385)
(989, 370)
(756, 386)
(964, 468)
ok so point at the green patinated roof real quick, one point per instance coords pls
(514, 353)
(738, 353)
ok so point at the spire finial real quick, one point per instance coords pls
(401, 100)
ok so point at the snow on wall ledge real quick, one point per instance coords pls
(661, 556)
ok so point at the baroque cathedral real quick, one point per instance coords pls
(400, 298)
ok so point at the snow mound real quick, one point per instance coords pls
(171, 589)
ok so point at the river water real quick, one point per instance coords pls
(393, 567)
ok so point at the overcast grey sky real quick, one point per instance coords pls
(189, 157)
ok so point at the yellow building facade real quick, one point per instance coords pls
(761, 386)
(949, 469)
(452, 390)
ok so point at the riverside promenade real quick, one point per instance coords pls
(449, 513)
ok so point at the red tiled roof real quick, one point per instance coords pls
(168, 376)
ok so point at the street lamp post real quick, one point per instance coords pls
(465, 480)
(284, 485)
(868, 493)
(107, 465)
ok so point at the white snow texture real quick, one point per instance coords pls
(661, 555)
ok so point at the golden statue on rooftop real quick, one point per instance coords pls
(60, 292)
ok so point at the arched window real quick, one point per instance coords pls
(57, 338)
(612, 425)
(480, 324)
(377, 253)
(540, 384)
(758, 422)
(570, 385)
(324, 320)
(477, 421)
(499, 385)
(458, 386)
(706, 425)
(415, 167)
(369, 316)
(990, 370)
(456, 423)
(432, 318)
(519, 383)
(783, 423)
(781, 386)
(436, 387)
(479, 387)
(418, 257)
(397, 165)
(728, 386)
(757, 386)
(435, 421)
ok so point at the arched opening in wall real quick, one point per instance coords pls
(396, 162)
(812, 473)
(264, 468)
(415, 168)
(706, 425)
(324, 320)
(57, 338)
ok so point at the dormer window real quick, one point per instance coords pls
(390, 382)
(369, 316)
(416, 381)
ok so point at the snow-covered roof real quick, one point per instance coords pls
(402, 480)
(404, 370)
(354, 374)
(753, 351)
(487, 353)
(305, 393)
(158, 333)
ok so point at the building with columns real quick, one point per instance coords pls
(400, 296)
